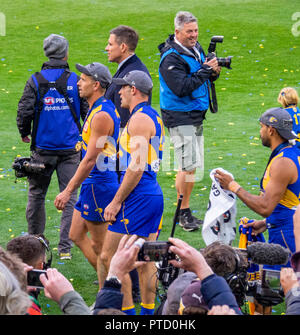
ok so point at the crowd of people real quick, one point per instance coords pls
(114, 158)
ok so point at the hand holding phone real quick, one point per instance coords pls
(33, 278)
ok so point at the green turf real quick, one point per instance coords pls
(265, 59)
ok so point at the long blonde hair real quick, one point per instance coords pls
(288, 96)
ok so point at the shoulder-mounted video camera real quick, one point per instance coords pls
(222, 61)
(24, 167)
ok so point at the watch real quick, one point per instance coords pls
(113, 281)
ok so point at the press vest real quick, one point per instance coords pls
(155, 151)
(105, 167)
(197, 100)
(57, 129)
(284, 211)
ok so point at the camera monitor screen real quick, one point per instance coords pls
(271, 279)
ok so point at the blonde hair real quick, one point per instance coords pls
(288, 96)
(13, 300)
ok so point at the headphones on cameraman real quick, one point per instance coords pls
(48, 263)
(237, 280)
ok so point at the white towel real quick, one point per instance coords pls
(219, 222)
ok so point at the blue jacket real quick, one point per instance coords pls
(198, 99)
(184, 85)
(112, 93)
(108, 297)
(215, 291)
(28, 103)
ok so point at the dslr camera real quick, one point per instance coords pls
(222, 61)
(24, 167)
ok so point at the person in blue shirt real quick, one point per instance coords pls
(289, 99)
(50, 121)
(97, 169)
(137, 207)
(121, 46)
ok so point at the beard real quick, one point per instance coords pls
(265, 142)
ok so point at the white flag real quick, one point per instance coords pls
(219, 222)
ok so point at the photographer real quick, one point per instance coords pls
(59, 289)
(185, 76)
(49, 111)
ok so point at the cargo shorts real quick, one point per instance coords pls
(188, 143)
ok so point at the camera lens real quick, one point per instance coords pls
(224, 61)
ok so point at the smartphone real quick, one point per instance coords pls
(33, 278)
(154, 251)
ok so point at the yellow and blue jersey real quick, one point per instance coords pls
(280, 223)
(295, 114)
(284, 211)
(105, 167)
(155, 150)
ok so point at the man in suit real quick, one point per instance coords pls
(121, 47)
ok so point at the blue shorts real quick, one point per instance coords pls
(283, 235)
(93, 199)
(140, 214)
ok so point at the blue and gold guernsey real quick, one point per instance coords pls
(141, 212)
(280, 222)
(148, 183)
(294, 112)
(105, 168)
(100, 187)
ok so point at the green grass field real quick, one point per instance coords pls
(257, 33)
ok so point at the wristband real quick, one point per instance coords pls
(234, 187)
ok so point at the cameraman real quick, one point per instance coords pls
(185, 75)
(49, 111)
(214, 289)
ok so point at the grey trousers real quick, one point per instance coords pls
(65, 166)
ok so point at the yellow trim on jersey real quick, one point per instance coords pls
(86, 132)
(289, 199)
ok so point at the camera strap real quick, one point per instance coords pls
(213, 104)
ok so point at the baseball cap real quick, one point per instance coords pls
(55, 46)
(192, 297)
(281, 120)
(97, 71)
(175, 290)
(138, 79)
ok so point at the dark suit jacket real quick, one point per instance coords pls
(112, 93)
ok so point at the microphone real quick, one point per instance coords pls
(266, 253)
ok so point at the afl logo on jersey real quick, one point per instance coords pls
(49, 101)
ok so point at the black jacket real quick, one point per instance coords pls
(112, 93)
(26, 106)
(181, 82)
